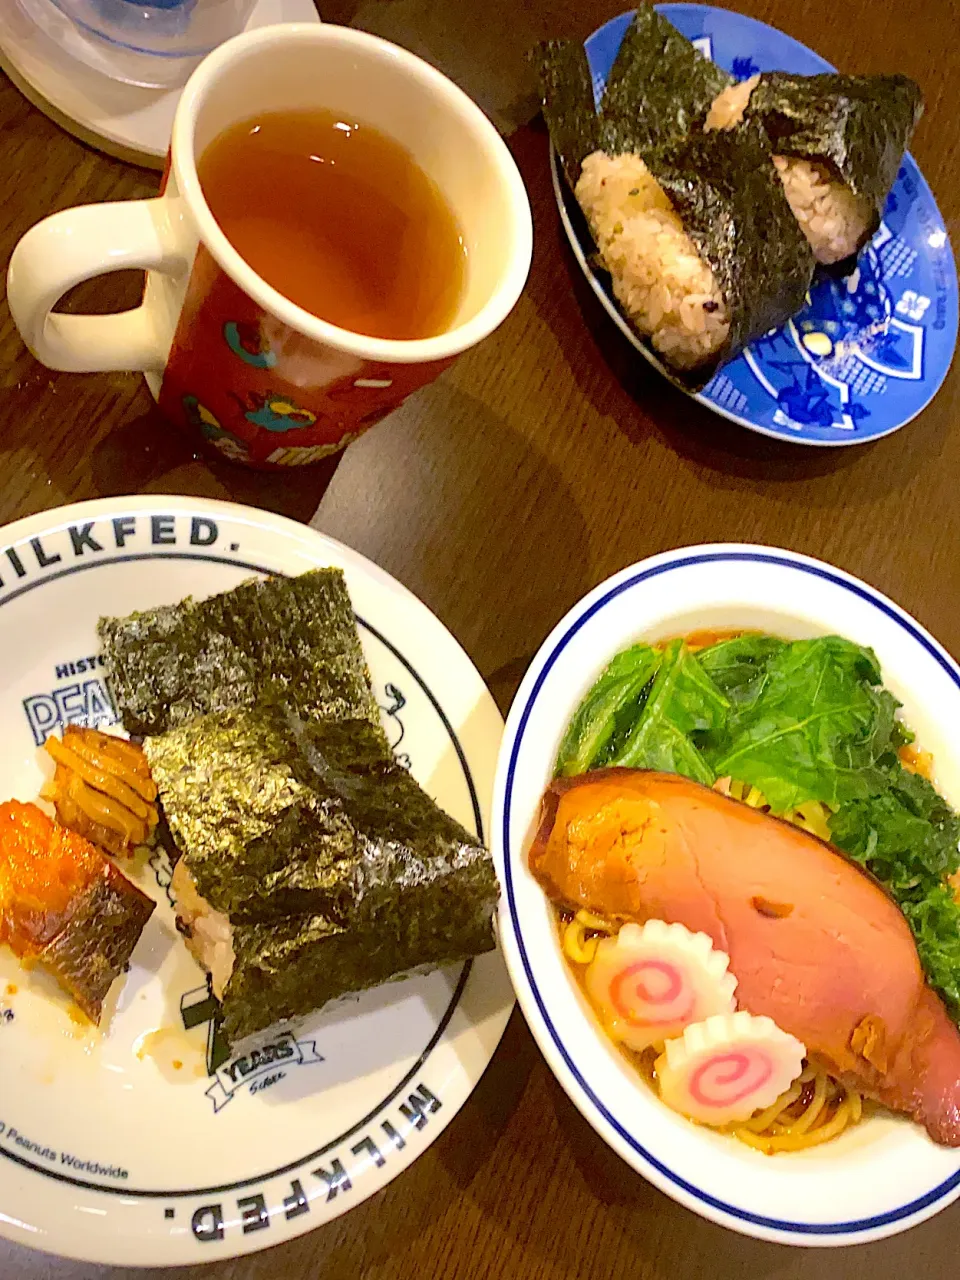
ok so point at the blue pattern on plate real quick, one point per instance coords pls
(866, 354)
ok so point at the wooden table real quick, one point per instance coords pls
(538, 465)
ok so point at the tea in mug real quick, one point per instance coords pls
(340, 219)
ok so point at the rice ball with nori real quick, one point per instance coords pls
(703, 251)
(660, 280)
(836, 141)
(834, 220)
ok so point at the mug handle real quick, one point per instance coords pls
(77, 245)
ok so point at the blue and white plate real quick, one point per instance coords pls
(866, 354)
(142, 1140)
(879, 1177)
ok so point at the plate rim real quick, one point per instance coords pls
(531, 1000)
(650, 356)
(57, 1235)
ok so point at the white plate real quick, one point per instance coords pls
(118, 1158)
(882, 1176)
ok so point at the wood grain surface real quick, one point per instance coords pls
(540, 463)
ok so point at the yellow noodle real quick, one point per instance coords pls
(576, 945)
(789, 1141)
(764, 1119)
(760, 1142)
(776, 1129)
(817, 1103)
(813, 818)
(590, 921)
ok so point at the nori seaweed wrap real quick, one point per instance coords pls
(290, 639)
(694, 228)
(306, 849)
(286, 969)
(660, 89)
(733, 207)
(857, 127)
(569, 109)
(660, 86)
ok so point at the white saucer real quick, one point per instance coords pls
(127, 122)
(135, 1141)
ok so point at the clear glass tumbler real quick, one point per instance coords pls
(154, 43)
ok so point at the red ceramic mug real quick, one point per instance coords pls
(260, 379)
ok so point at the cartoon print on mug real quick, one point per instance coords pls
(246, 341)
(199, 416)
(258, 378)
(350, 390)
(275, 412)
(299, 456)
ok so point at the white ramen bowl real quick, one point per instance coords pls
(883, 1175)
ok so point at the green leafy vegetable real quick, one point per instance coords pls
(935, 921)
(617, 695)
(683, 701)
(737, 666)
(907, 835)
(814, 729)
(908, 838)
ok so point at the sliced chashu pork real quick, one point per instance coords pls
(814, 941)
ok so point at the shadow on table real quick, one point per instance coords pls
(82, 437)
(368, 1242)
(488, 1111)
(465, 509)
(148, 455)
(505, 681)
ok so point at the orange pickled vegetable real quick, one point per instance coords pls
(66, 906)
(43, 867)
(102, 789)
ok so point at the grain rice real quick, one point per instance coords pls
(727, 109)
(832, 218)
(660, 280)
(209, 935)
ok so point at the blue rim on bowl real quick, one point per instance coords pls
(856, 364)
(525, 765)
